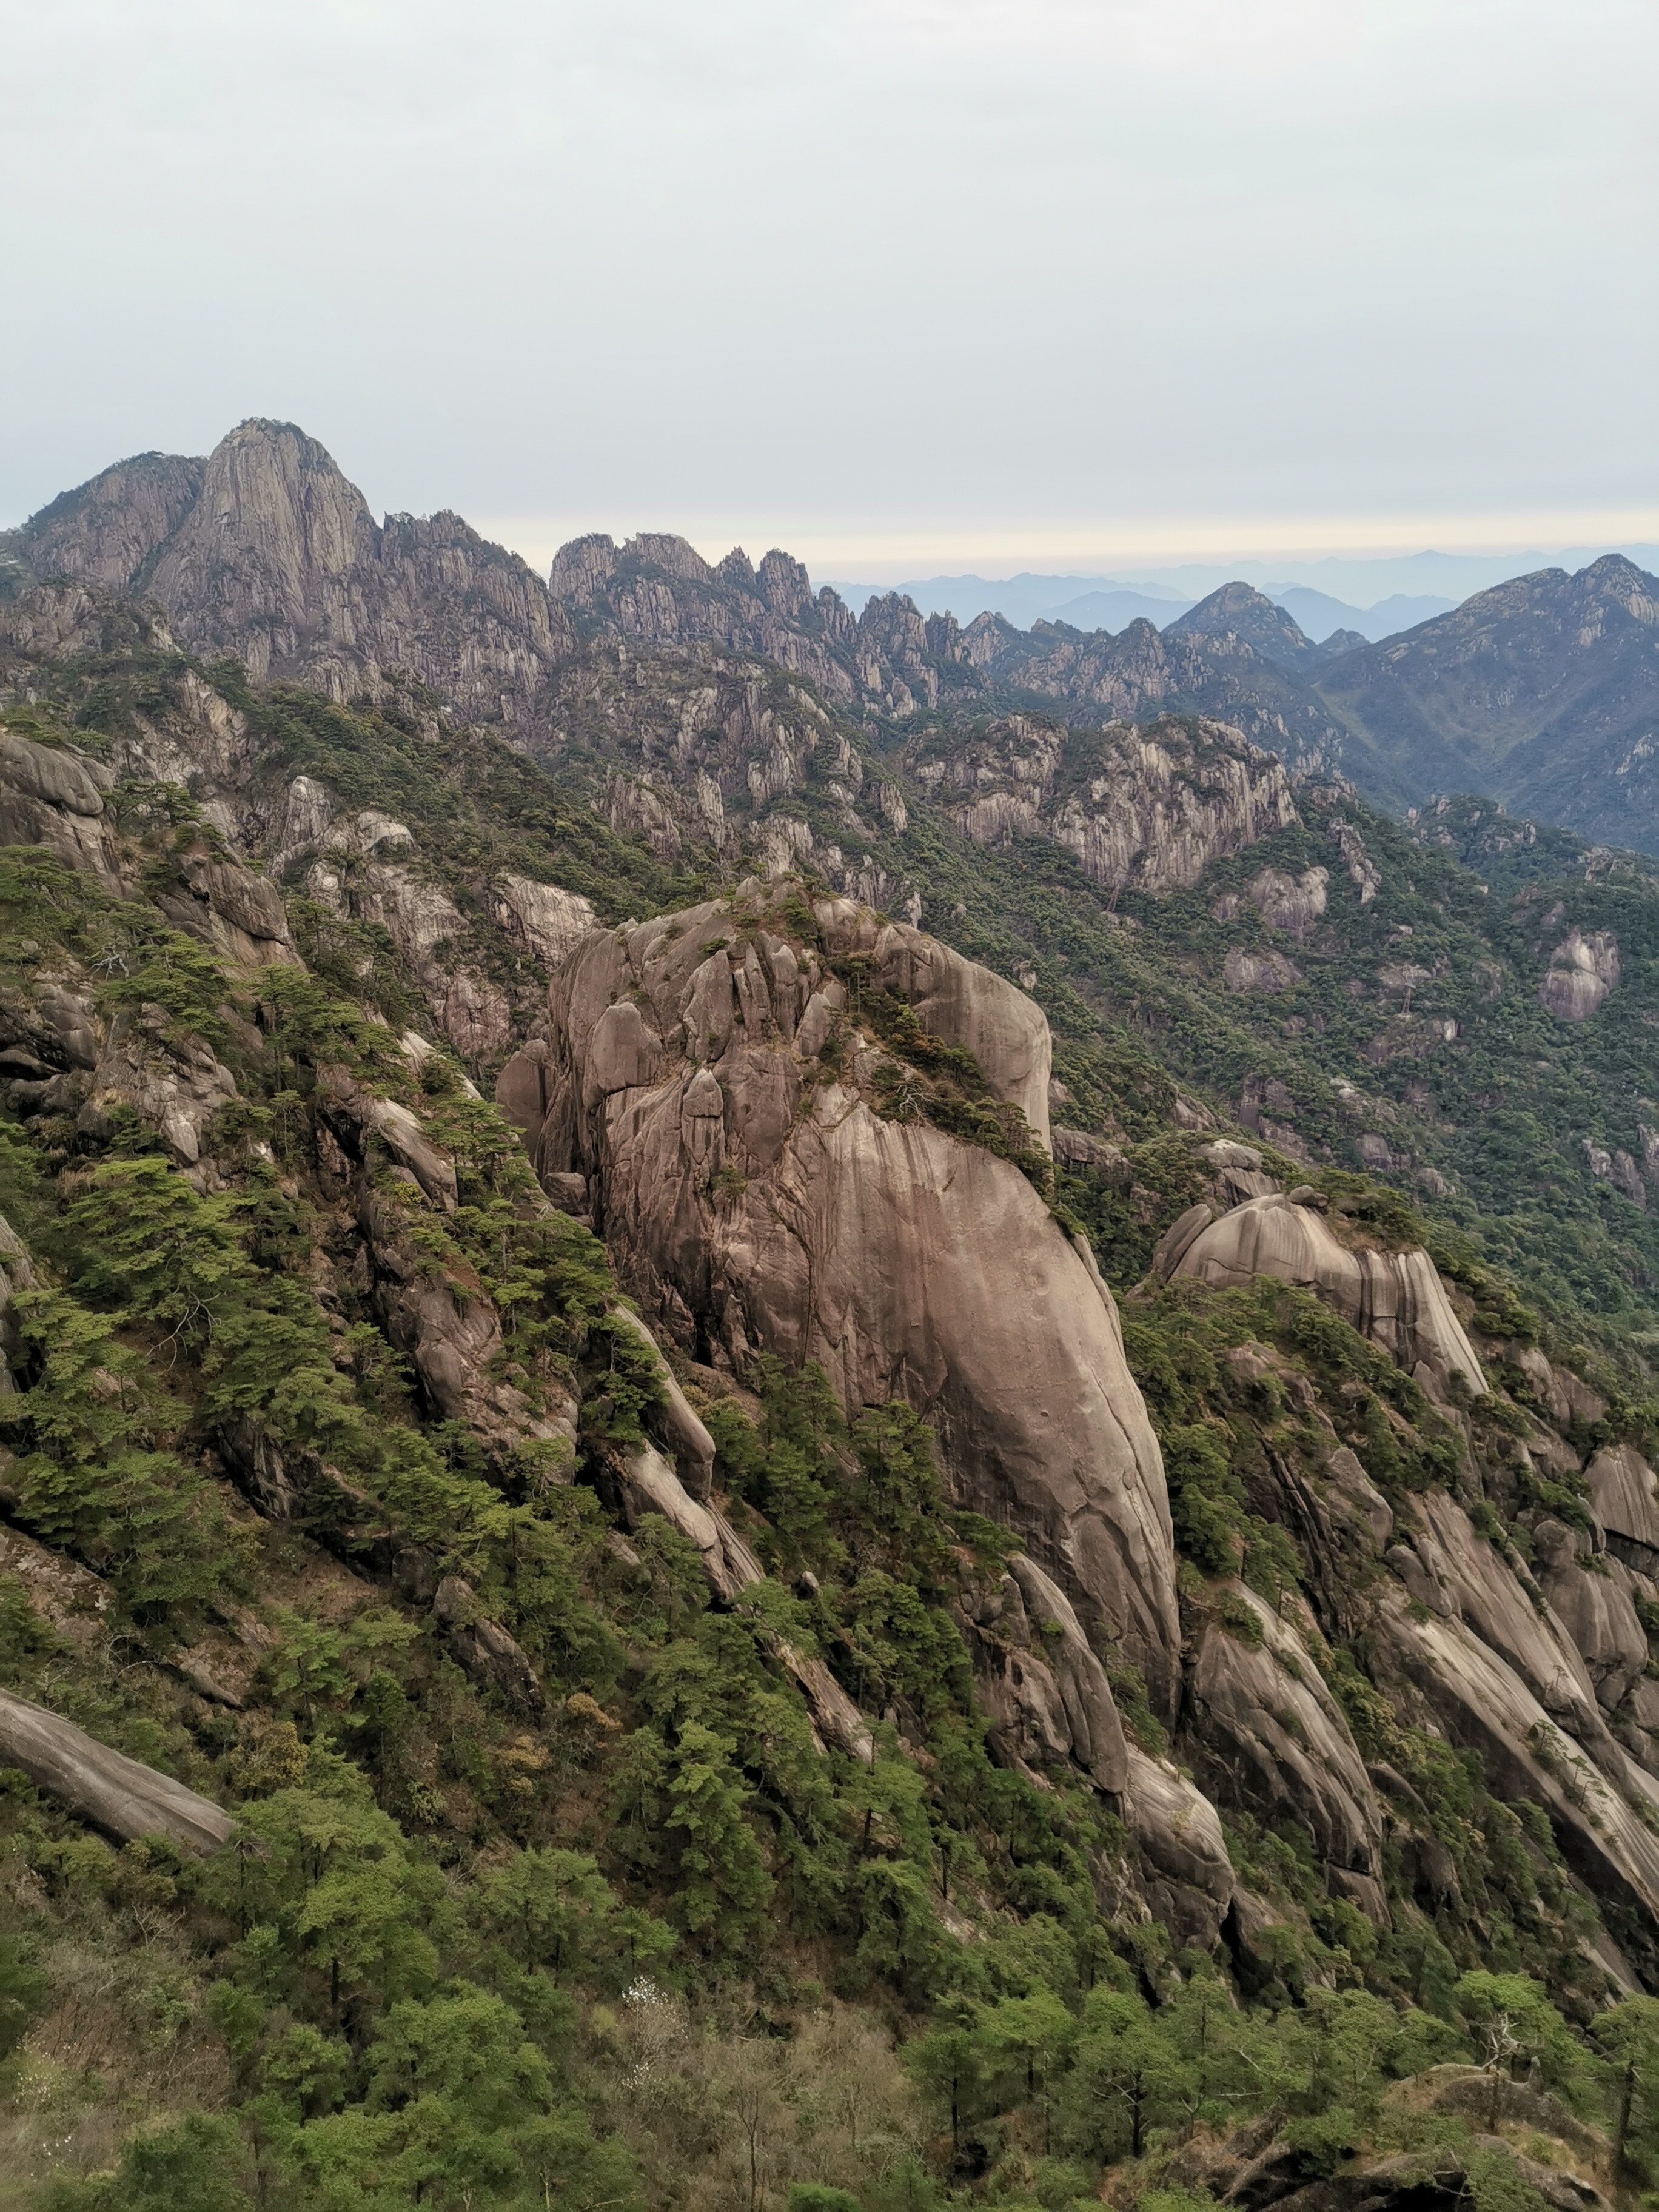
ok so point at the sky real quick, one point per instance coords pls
(904, 285)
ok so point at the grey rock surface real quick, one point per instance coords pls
(114, 1793)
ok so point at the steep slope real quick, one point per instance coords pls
(1240, 613)
(1544, 691)
(1069, 1607)
(265, 550)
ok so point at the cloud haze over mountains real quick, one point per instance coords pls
(1048, 282)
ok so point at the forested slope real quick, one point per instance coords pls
(672, 1765)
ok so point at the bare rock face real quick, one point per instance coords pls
(238, 913)
(1260, 971)
(1188, 1874)
(1292, 903)
(1461, 1576)
(794, 1216)
(1582, 972)
(266, 550)
(1592, 1598)
(1041, 1683)
(1150, 808)
(1396, 1298)
(113, 1792)
(1262, 1730)
(1625, 1493)
(545, 920)
(108, 531)
(174, 1083)
(414, 909)
(53, 795)
(957, 1000)
(353, 1108)
(1461, 1686)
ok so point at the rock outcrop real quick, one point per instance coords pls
(1581, 975)
(1041, 1684)
(1188, 1874)
(710, 1082)
(1148, 808)
(267, 551)
(114, 1793)
(1396, 1298)
(53, 795)
(1261, 1731)
(173, 1081)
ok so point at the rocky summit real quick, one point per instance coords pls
(810, 1409)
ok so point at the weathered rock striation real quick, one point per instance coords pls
(710, 1080)
(1148, 808)
(266, 550)
(1396, 1298)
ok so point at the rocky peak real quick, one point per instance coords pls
(785, 585)
(1239, 614)
(106, 530)
(583, 568)
(737, 570)
(267, 551)
(1542, 690)
(675, 556)
(277, 531)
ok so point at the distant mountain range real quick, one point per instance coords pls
(1090, 602)
(1108, 603)
(1542, 691)
(1319, 617)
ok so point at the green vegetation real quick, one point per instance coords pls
(600, 1918)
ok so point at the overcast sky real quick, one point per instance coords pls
(897, 282)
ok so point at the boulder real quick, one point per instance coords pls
(1185, 1866)
(624, 1053)
(1076, 1148)
(1292, 903)
(1178, 1239)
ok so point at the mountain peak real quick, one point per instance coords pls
(1239, 610)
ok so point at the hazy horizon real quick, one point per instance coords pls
(910, 286)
